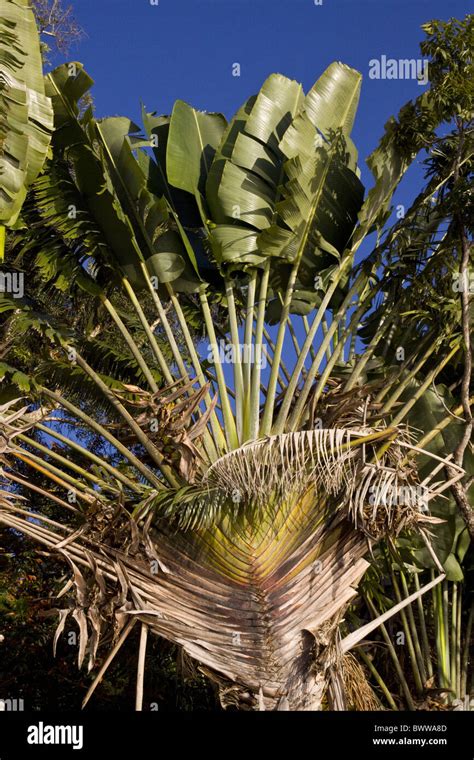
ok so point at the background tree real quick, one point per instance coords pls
(56, 22)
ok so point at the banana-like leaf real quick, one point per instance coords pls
(182, 202)
(243, 183)
(97, 196)
(284, 182)
(322, 194)
(192, 142)
(113, 192)
(163, 250)
(26, 115)
(450, 538)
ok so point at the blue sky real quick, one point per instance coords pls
(185, 49)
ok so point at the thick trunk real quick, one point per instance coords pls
(300, 685)
(304, 694)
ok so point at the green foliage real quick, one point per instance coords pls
(26, 116)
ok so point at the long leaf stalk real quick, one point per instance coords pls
(149, 333)
(424, 632)
(249, 319)
(161, 312)
(218, 439)
(441, 641)
(46, 470)
(36, 489)
(409, 641)
(229, 420)
(365, 293)
(82, 451)
(141, 667)
(209, 441)
(94, 425)
(237, 360)
(74, 483)
(442, 425)
(157, 458)
(362, 361)
(410, 403)
(108, 660)
(136, 353)
(378, 678)
(402, 371)
(296, 345)
(307, 329)
(265, 425)
(414, 633)
(284, 370)
(320, 314)
(358, 286)
(269, 358)
(451, 657)
(454, 638)
(393, 655)
(447, 632)
(458, 645)
(338, 350)
(467, 651)
(254, 417)
(68, 463)
(407, 379)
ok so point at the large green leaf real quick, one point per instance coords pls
(243, 184)
(322, 193)
(146, 213)
(182, 202)
(284, 182)
(26, 116)
(113, 189)
(448, 538)
(192, 142)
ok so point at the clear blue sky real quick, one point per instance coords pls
(185, 49)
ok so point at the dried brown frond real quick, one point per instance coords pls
(358, 692)
(173, 420)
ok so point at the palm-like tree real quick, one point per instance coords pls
(236, 498)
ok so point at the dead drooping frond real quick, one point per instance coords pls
(281, 467)
(359, 694)
(173, 421)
